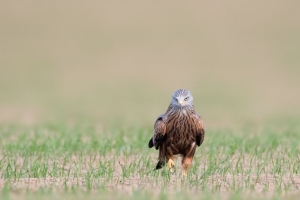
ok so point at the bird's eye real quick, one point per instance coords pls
(186, 98)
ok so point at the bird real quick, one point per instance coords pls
(178, 132)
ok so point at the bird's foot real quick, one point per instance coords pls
(184, 173)
(171, 165)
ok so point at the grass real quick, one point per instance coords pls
(58, 160)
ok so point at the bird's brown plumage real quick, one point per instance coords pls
(178, 131)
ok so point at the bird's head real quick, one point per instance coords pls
(182, 98)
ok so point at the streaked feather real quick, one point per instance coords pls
(178, 130)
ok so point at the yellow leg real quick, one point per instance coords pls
(186, 165)
(171, 165)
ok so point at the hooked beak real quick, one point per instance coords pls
(180, 102)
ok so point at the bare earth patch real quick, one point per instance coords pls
(85, 175)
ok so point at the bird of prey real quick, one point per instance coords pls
(178, 131)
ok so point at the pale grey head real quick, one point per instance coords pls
(182, 99)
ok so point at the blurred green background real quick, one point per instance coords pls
(119, 62)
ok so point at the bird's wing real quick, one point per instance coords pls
(159, 133)
(200, 130)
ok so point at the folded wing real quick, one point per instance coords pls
(159, 133)
(200, 130)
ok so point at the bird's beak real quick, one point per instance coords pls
(181, 102)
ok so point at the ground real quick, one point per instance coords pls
(61, 160)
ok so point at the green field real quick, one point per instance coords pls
(60, 161)
(81, 85)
